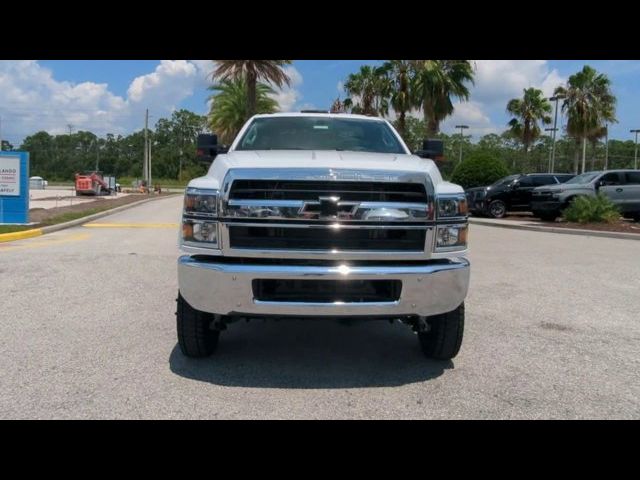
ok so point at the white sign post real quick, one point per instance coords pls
(10, 176)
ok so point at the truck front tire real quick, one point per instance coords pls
(443, 340)
(196, 337)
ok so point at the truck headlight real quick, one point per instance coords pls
(200, 202)
(451, 237)
(200, 233)
(199, 225)
(455, 206)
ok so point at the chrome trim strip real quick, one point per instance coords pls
(331, 226)
(327, 304)
(304, 210)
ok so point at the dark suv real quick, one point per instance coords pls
(512, 193)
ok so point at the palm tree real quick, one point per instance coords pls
(589, 103)
(230, 105)
(369, 91)
(400, 74)
(252, 71)
(435, 82)
(337, 106)
(528, 112)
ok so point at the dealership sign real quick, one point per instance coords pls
(14, 187)
(10, 176)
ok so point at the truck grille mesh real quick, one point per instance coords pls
(373, 239)
(311, 190)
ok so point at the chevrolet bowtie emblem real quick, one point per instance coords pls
(328, 206)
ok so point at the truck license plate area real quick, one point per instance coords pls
(326, 291)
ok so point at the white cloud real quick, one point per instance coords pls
(497, 82)
(471, 114)
(31, 99)
(288, 96)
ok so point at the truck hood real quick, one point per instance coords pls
(322, 159)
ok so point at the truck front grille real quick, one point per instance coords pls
(293, 238)
(311, 190)
(326, 291)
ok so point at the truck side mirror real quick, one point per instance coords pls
(206, 147)
(432, 148)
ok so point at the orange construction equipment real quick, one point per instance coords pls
(91, 183)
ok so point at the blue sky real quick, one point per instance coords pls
(111, 96)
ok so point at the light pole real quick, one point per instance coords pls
(551, 149)
(555, 98)
(462, 128)
(606, 146)
(635, 156)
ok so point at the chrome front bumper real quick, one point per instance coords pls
(223, 288)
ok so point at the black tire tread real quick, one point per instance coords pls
(491, 214)
(195, 337)
(444, 339)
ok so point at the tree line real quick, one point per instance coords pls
(242, 88)
(173, 151)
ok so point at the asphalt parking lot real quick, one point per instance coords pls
(87, 330)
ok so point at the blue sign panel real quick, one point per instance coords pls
(14, 187)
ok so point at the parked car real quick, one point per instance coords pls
(621, 186)
(510, 194)
(37, 183)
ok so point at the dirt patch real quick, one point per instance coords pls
(45, 216)
(621, 226)
(555, 326)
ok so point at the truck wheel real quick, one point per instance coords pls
(195, 336)
(443, 341)
(497, 209)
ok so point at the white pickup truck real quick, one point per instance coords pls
(322, 216)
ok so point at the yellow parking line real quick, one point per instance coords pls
(46, 241)
(131, 225)
(10, 237)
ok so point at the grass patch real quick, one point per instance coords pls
(15, 228)
(126, 182)
(67, 217)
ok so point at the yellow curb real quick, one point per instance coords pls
(10, 237)
(131, 225)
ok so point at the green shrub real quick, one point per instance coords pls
(596, 209)
(478, 170)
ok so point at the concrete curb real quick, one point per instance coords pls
(566, 231)
(10, 237)
(35, 232)
(95, 216)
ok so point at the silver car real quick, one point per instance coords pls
(622, 187)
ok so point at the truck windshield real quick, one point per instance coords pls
(584, 178)
(319, 133)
